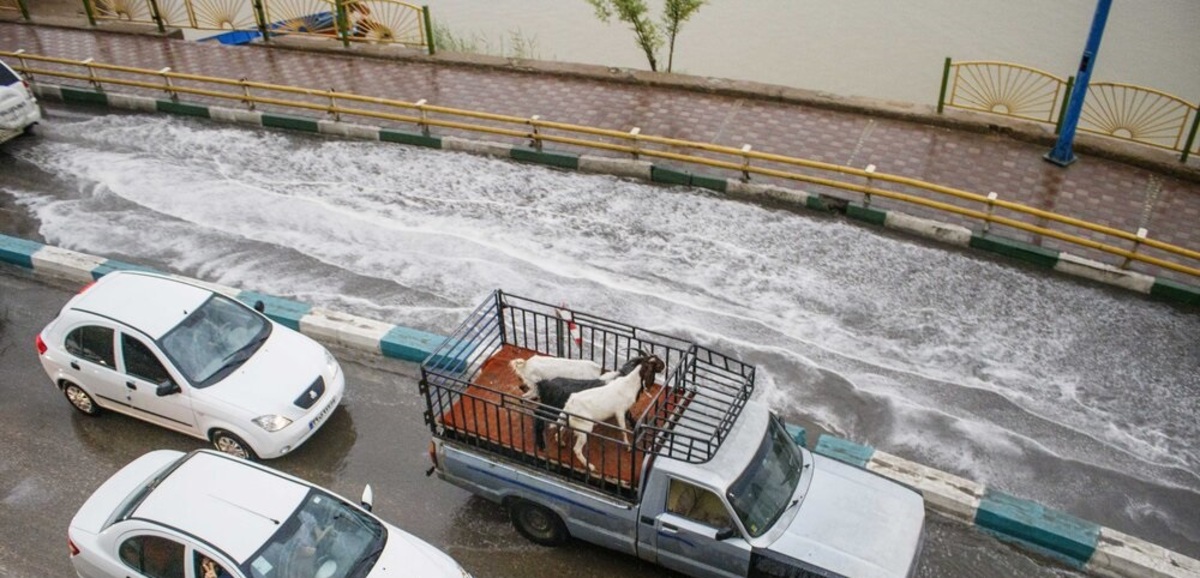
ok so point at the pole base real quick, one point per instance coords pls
(1050, 158)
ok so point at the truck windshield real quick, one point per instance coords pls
(764, 491)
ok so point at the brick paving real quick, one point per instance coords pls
(1111, 193)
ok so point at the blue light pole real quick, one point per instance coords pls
(1062, 155)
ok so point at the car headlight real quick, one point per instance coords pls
(272, 422)
(331, 364)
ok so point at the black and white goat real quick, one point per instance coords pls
(613, 399)
(554, 393)
(541, 368)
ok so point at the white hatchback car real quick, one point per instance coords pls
(208, 515)
(192, 360)
(18, 108)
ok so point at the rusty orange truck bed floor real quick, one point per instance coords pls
(491, 409)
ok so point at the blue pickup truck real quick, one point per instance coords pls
(709, 483)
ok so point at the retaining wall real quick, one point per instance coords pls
(1156, 287)
(1078, 543)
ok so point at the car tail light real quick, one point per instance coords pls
(72, 548)
(41, 345)
(86, 287)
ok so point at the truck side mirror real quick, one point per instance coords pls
(725, 533)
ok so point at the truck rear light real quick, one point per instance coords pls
(41, 345)
(432, 458)
(72, 548)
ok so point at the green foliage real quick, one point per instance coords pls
(518, 45)
(648, 35)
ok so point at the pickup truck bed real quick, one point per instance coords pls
(491, 411)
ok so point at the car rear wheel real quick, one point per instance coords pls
(232, 445)
(537, 523)
(80, 399)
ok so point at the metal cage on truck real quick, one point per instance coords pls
(473, 398)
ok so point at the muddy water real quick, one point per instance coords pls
(873, 48)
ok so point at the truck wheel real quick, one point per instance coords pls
(537, 523)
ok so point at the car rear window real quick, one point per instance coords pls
(7, 76)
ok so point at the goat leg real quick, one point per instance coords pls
(580, 440)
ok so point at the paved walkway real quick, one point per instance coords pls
(1119, 195)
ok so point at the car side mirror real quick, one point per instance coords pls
(259, 306)
(167, 388)
(725, 533)
(368, 498)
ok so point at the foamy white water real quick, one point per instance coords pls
(1077, 396)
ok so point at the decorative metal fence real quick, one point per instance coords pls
(350, 21)
(11, 5)
(1123, 111)
(1120, 247)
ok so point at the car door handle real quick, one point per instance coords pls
(75, 366)
(670, 529)
(130, 385)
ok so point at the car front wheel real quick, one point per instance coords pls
(232, 445)
(80, 399)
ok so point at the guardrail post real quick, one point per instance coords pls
(92, 78)
(746, 163)
(87, 9)
(333, 110)
(536, 137)
(1062, 109)
(167, 83)
(246, 94)
(156, 14)
(634, 133)
(870, 183)
(1141, 236)
(24, 66)
(1191, 139)
(24, 9)
(428, 30)
(342, 22)
(261, 16)
(424, 126)
(945, 82)
(987, 223)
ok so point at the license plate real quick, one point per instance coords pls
(320, 416)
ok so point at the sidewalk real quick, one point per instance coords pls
(1146, 188)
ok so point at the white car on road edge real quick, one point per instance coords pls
(18, 108)
(192, 360)
(209, 515)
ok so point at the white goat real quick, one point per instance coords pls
(587, 408)
(542, 368)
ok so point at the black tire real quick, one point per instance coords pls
(80, 400)
(538, 524)
(228, 443)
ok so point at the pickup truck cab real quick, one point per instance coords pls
(711, 485)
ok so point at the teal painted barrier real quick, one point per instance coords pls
(844, 451)
(1059, 534)
(282, 311)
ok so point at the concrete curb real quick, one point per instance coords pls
(1073, 541)
(1158, 288)
(1077, 542)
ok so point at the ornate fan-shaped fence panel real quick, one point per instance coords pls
(1006, 89)
(209, 14)
(304, 17)
(385, 21)
(127, 10)
(1135, 113)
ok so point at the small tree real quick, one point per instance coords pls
(648, 36)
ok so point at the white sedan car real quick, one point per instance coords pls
(192, 360)
(18, 108)
(208, 515)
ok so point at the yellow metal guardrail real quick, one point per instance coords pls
(538, 132)
(1124, 111)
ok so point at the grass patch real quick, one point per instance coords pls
(517, 44)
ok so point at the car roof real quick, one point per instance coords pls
(152, 304)
(228, 502)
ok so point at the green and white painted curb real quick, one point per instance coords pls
(1085, 545)
(1159, 288)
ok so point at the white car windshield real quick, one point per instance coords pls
(324, 538)
(214, 340)
(764, 491)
